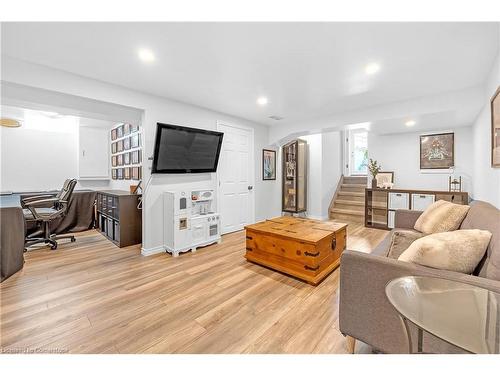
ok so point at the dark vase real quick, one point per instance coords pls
(374, 183)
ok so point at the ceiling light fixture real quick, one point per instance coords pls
(410, 123)
(262, 100)
(372, 68)
(9, 122)
(146, 55)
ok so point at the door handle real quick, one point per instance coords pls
(250, 187)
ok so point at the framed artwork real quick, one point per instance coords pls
(384, 178)
(126, 129)
(113, 147)
(126, 144)
(437, 151)
(268, 164)
(127, 173)
(135, 140)
(495, 130)
(136, 157)
(119, 160)
(135, 173)
(113, 161)
(120, 173)
(119, 131)
(114, 174)
(113, 134)
(126, 158)
(119, 146)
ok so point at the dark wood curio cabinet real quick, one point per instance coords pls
(294, 176)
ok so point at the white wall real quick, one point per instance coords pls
(37, 157)
(332, 167)
(314, 174)
(42, 153)
(156, 109)
(324, 169)
(401, 153)
(486, 178)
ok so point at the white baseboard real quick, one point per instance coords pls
(153, 250)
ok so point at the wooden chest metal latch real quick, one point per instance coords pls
(312, 268)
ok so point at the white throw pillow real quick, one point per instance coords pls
(441, 216)
(459, 251)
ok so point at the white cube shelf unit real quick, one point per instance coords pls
(381, 204)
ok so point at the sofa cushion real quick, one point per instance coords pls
(485, 216)
(401, 239)
(441, 216)
(458, 251)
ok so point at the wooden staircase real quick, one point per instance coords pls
(348, 203)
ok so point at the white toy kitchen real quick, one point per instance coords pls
(190, 220)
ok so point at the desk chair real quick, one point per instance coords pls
(44, 209)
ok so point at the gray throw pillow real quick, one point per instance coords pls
(400, 241)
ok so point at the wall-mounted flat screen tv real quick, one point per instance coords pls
(179, 149)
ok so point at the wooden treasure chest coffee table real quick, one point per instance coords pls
(304, 248)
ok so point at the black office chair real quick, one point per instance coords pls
(44, 209)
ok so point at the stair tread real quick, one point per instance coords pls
(354, 203)
(346, 211)
(362, 186)
(354, 193)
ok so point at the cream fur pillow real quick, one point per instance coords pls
(441, 216)
(459, 251)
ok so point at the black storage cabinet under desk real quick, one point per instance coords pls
(118, 217)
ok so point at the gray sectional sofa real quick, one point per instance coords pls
(366, 314)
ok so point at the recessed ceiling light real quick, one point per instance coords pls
(262, 100)
(372, 68)
(410, 123)
(146, 55)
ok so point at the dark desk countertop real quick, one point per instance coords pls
(14, 200)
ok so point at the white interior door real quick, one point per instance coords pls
(236, 178)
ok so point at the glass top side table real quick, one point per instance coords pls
(461, 314)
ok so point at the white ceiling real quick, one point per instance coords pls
(307, 70)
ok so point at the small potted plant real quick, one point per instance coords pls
(374, 168)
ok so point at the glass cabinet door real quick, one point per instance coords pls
(294, 176)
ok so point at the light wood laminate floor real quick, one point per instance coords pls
(92, 297)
